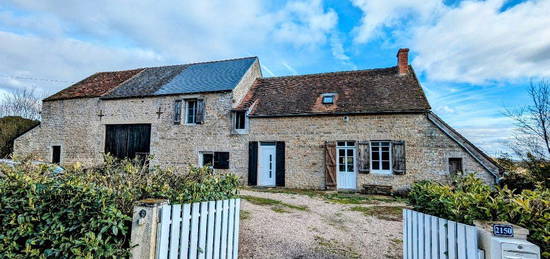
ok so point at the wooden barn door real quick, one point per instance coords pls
(128, 140)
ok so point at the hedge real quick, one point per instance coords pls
(86, 213)
(470, 199)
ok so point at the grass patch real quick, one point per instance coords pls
(347, 198)
(310, 193)
(381, 212)
(334, 247)
(270, 202)
(279, 209)
(244, 214)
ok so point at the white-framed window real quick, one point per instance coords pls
(215, 160)
(191, 111)
(206, 159)
(328, 98)
(240, 122)
(380, 155)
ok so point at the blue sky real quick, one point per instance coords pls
(473, 58)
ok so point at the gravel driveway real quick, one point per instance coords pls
(285, 225)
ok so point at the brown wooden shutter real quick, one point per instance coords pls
(330, 164)
(398, 157)
(177, 111)
(200, 111)
(363, 149)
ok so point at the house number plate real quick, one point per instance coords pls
(503, 230)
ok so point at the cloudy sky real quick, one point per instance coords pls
(473, 57)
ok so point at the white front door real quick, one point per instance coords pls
(267, 165)
(345, 165)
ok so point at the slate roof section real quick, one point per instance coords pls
(213, 76)
(95, 85)
(357, 92)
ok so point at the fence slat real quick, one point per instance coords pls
(230, 229)
(405, 235)
(435, 238)
(225, 218)
(421, 235)
(218, 229)
(415, 234)
(471, 239)
(185, 230)
(175, 231)
(236, 229)
(410, 234)
(201, 251)
(164, 230)
(194, 240)
(427, 236)
(451, 244)
(443, 234)
(210, 231)
(461, 240)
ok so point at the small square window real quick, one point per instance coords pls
(328, 99)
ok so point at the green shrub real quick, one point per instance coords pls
(10, 128)
(45, 216)
(87, 212)
(470, 199)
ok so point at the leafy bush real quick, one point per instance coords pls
(470, 199)
(56, 217)
(87, 212)
(10, 128)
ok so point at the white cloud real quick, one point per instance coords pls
(474, 41)
(397, 14)
(68, 40)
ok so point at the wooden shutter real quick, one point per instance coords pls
(253, 163)
(330, 164)
(177, 112)
(221, 160)
(200, 111)
(280, 163)
(363, 149)
(398, 157)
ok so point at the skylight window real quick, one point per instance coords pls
(328, 98)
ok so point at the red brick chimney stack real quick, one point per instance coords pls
(403, 61)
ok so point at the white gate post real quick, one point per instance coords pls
(144, 227)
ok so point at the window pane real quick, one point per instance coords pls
(207, 159)
(385, 149)
(191, 111)
(375, 156)
(341, 160)
(342, 152)
(342, 168)
(350, 160)
(385, 144)
(240, 120)
(375, 144)
(350, 167)
(341, 143)
(375, 165)
(375, 149)
(350, 152)
(386, 165)
(385, 155)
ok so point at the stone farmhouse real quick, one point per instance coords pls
(343, 130)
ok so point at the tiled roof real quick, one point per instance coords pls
(362, 91)
(95, 85)
(154, 81)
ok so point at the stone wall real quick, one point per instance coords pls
(427, 148)
(76, 126)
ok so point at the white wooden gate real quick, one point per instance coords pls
(426, 236)
(199, 230)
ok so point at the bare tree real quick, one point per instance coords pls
(533, 122)
(24, 103)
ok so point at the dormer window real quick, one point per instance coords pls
(328, 98)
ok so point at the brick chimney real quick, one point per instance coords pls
(403, 61)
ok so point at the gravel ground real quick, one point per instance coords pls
(323, 230)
